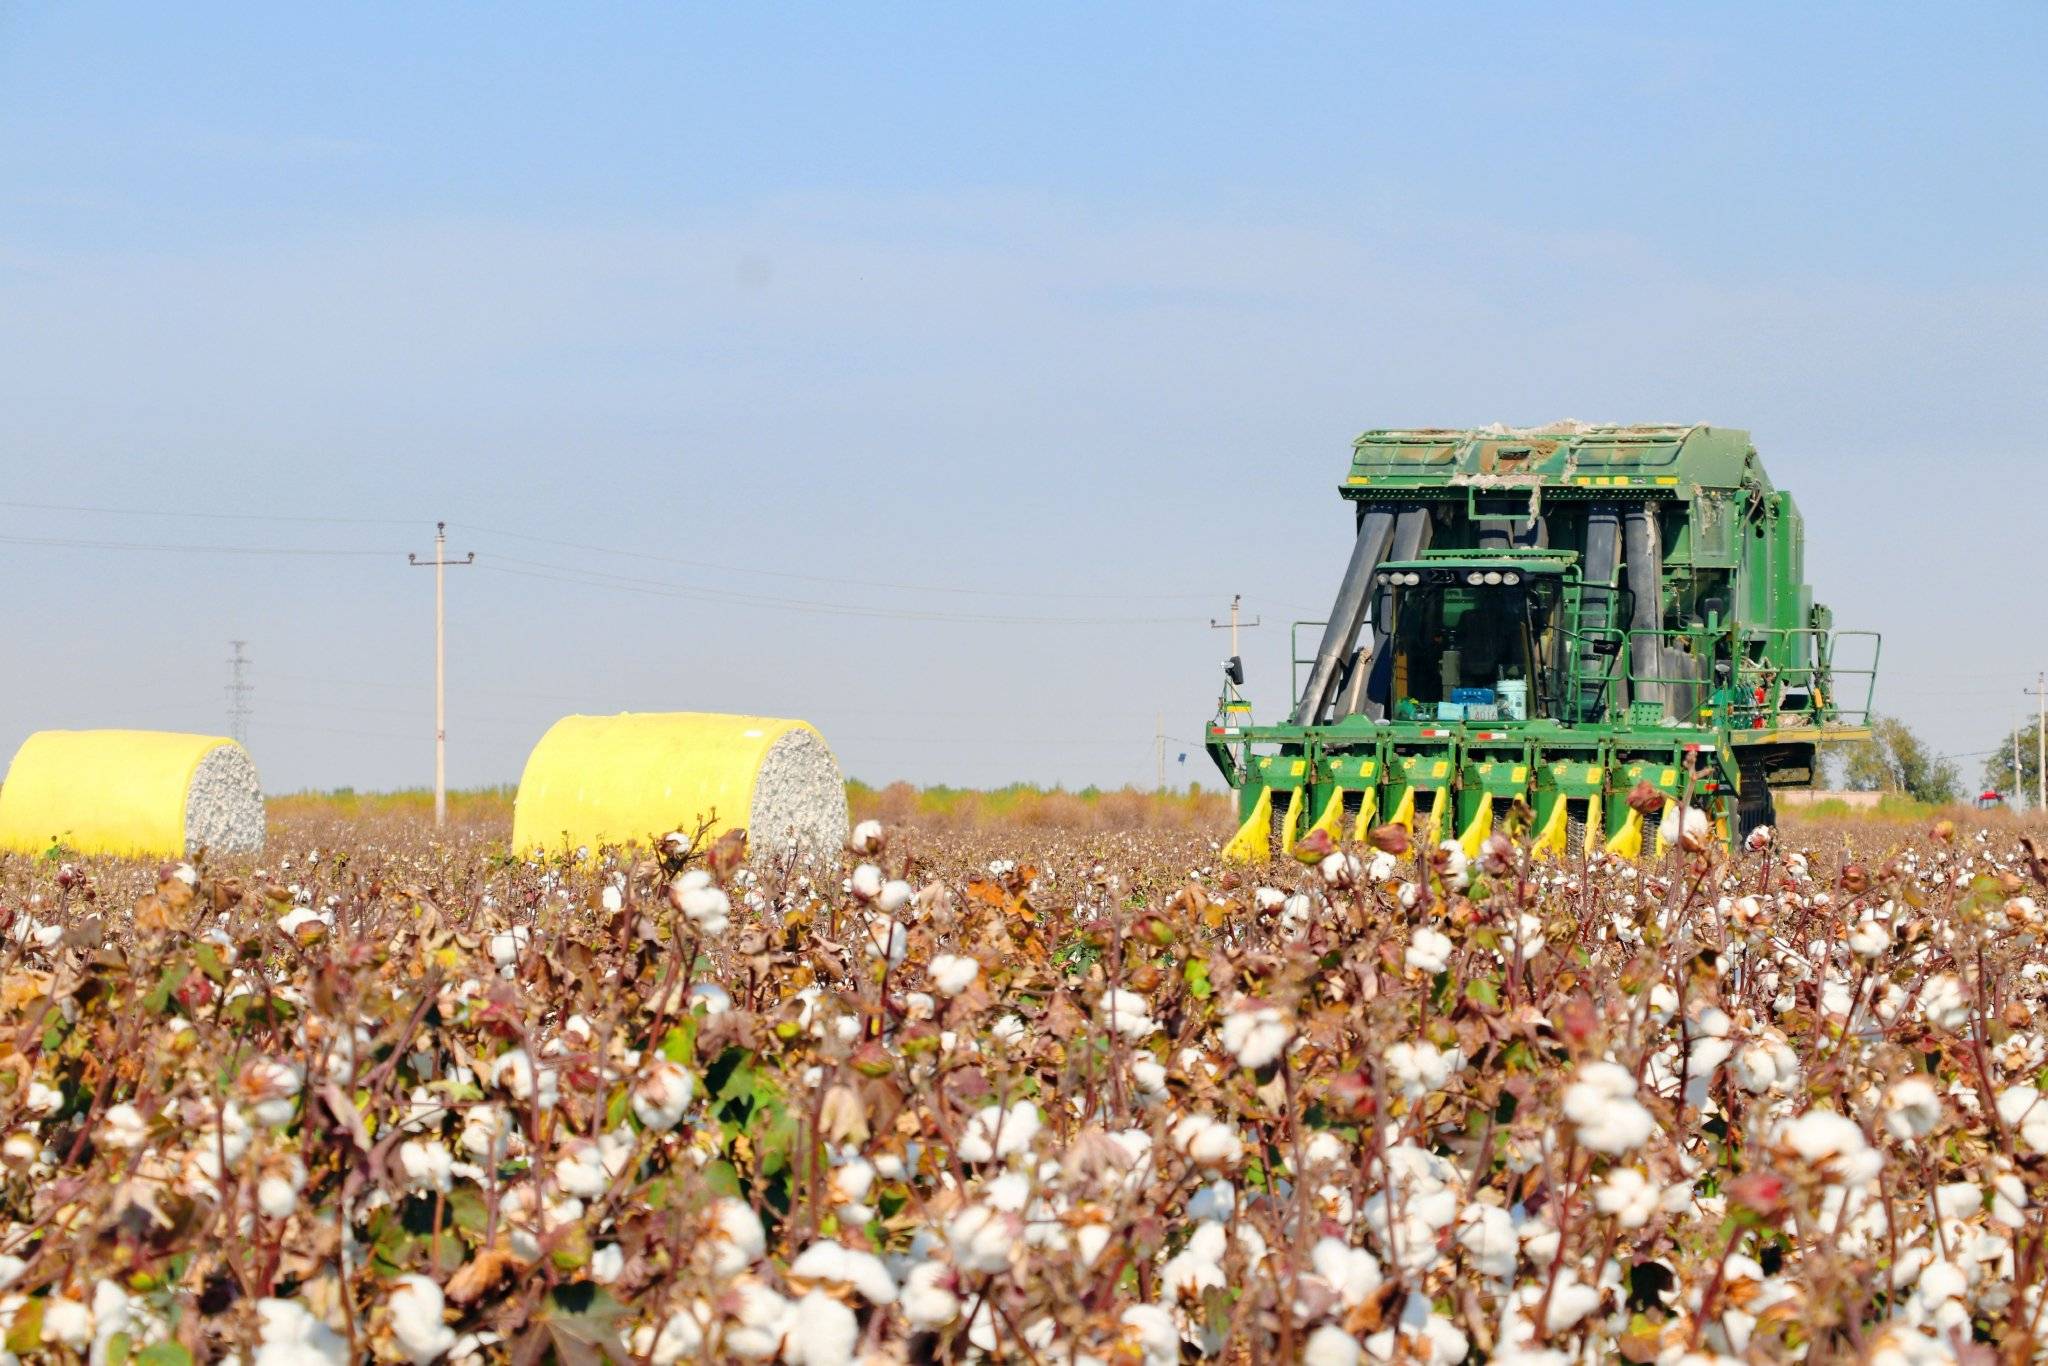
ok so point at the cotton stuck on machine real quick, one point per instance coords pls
(1553, 615)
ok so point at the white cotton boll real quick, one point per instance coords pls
(580, 1170)
(486, 1131)
(67, 1322)
(2025, 1108)
(1571, 1299)
(1153, 1332)
(1870, 938)
(607, 1263)
(737, 1239)
(1833, 1144)
(1208, 1143)
(1330, 1345)
(1945, 1001)
(612, 899)
(1256, 1036)
(1958, 1199)
(662, 1095)
(507, 945)
(290, 1336)
(1627, 1195)
(513, 1072)
(1009, 1030)
(1126, 1012)
(1149, 1075)
(1457, 875)
(416, 1319)
(866, 882)
(1341, 869)
(122, 1127)
(928, 1298)
(1352, 1272)
(1912, 1107)
(867, 837)
(953, 973)
(44, 1100)
(1487, 1233)
(823, 1332)
(1416, 1069)
(980, 1238)
(893, 897)
(1602, 1105)
(1428, 951)
(998, 1133)
(1663, 1003)
(715, 999)
(886, 938)
(277, 1192)
(842, 1265)
(1199, 1265)
(1325, 1149)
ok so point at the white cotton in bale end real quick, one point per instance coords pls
(224, 805)
(799, 808)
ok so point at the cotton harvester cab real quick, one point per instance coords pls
(1552, 615)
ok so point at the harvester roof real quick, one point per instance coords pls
(1564, 457)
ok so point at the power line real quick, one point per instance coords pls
(206, 516)
(826, 578)
(590, 578)
(67, 543)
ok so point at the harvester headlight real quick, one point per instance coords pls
(1476, 578)
(1510, 577)
(1411, 578)
(1493, 576)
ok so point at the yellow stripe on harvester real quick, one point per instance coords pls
(1253, 843)
(1550, 841)
(1368, 807)
(1478, 828)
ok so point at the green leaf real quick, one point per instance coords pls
(1482, 993)
(117, 1349)
(208, 958)
(159, 998)
(25, 1334)
(721, 1177)
(163, 1354)
(680, 1043)
(466, 1210)
(1196, 971)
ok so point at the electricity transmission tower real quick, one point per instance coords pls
(238, 695)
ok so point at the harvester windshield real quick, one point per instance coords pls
(1471, 646)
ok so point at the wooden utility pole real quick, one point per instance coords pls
(440, 562)
(1235, 600)
(2040, 692)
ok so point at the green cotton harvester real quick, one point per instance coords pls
(1554, 617)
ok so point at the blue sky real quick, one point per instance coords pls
(1063, 316)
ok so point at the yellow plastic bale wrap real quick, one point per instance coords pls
(144, 793)
(596, 780)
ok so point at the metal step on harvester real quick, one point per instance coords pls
(1553, 615)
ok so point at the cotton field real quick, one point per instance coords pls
(1051, 1098)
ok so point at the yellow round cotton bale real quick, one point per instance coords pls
(144, 793)
(595, 780)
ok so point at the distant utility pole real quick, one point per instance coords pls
(1159, 748)
(1233, 624)
(440, 562)
(2040, 692)
(238, 695)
